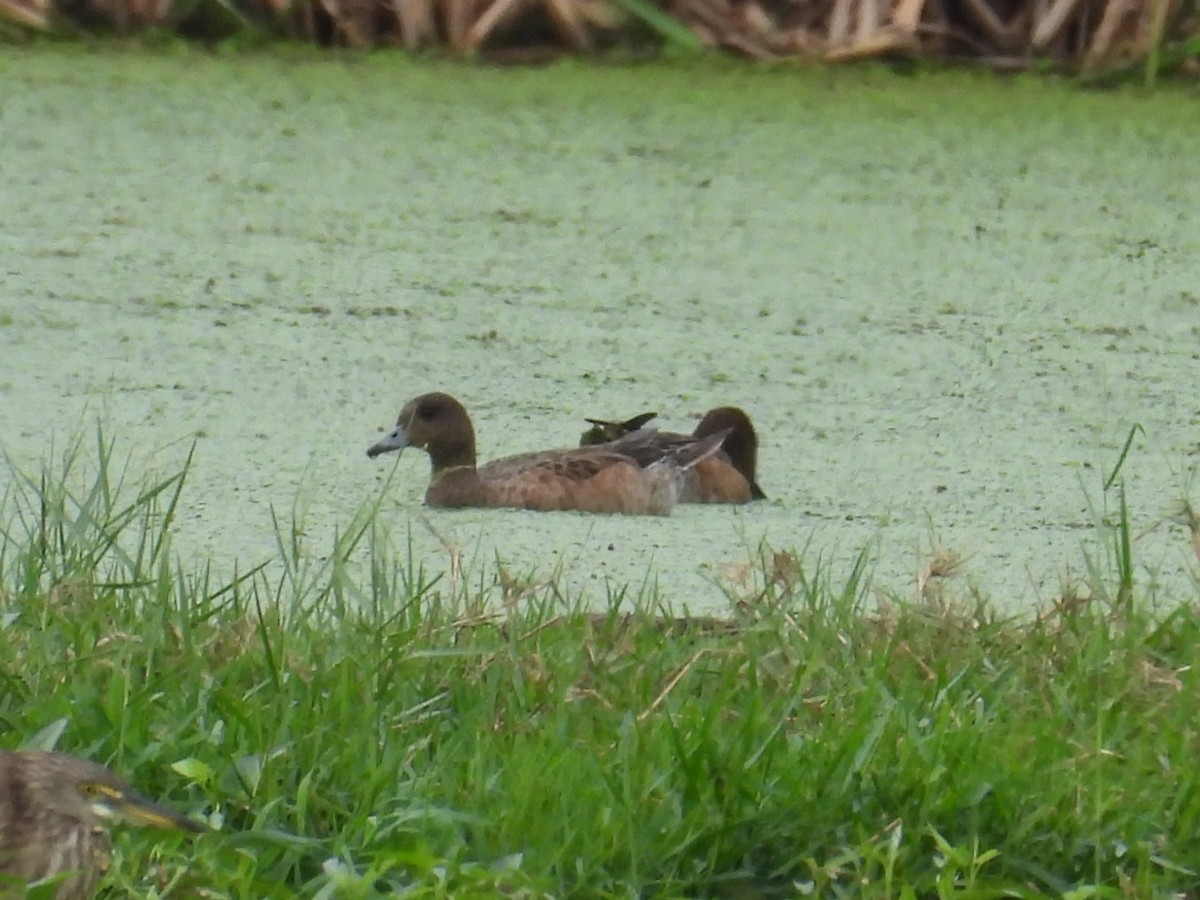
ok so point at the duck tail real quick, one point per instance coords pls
(699, 450)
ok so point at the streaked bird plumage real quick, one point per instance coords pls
(54, 813)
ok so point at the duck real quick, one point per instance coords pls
(638, 473)
(725, 477)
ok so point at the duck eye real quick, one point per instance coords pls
(426, 413)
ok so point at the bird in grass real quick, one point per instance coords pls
(54, 809)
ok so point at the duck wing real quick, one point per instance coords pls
(603, 431)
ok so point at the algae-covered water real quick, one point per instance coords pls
(944, 300)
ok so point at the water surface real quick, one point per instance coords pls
(944, 300)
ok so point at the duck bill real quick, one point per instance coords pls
(395, 439)
(139, 811)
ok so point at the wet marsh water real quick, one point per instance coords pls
(944, 300)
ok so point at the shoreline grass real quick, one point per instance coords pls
(363, 731)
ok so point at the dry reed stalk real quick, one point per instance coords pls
(808, 18)
(839, 23)
(147, 13)
(753, 24)
(491, 18)
(1051, 23)
(31, 15)
(674, 681)
(745, 44)
(496, 13)
(1105, 37)
(999, 33)
(907, 15)
(452, 550)
(752, 18)
(353, 21)
(943, 564)
(569, 22)
(926, 669)
(885, 40)
(1188, 516)
(794, 42)
(601, 14)
(868, 22)
(710, 13)
(935, 27)
(718, 23)
(458, 17)
(417, 24)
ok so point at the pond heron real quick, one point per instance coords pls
(54, 810)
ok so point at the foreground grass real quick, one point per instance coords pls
(362, 730)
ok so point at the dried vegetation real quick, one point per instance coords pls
(1082, 35)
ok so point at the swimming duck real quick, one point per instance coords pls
(725, 477)
(640, 473)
